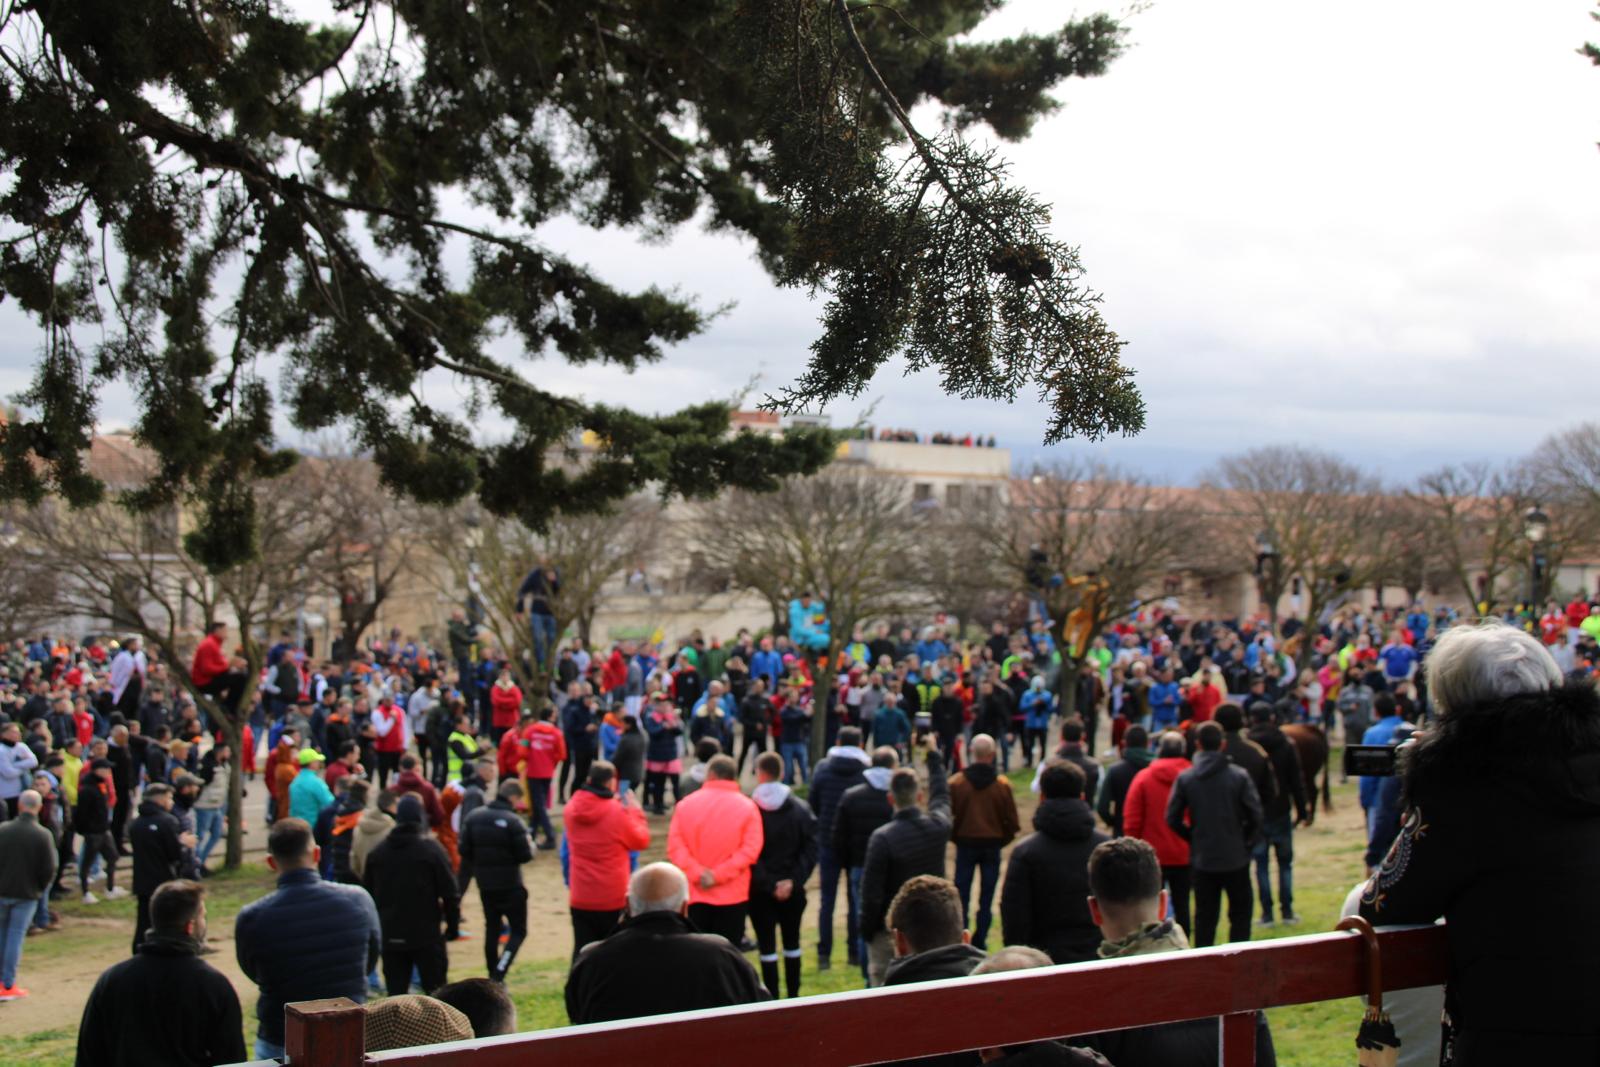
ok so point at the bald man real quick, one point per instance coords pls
(656, 962)
(27, 867)
(984, 820)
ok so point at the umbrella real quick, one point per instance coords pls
(1377, 1045)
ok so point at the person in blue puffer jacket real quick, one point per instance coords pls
(1038, 705)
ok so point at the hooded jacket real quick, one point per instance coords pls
(862, 809)
(946, 961)
(658, 963)
(129, 1019)
(601, 831)
(409, 877)
(1504, 810)
(1144, 813)
(983, 808)
(153, 839)
(1186, 1044)
(1113, 794)
(840, 770)
(1044, 901)
(717, 828)
(307, 940)
(371, 828)
(788, 840)
(1215, 807)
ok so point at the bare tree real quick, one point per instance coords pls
(1563, 477)
(1091, 542)
(377, 539)
(845, 535)
(1322, 518)
(28, 581)
(489, 558)
(958, 565)
(132, 570)
(1468, 520)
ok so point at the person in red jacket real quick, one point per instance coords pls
(505, 703)
(601, 832)
(388, 722)
(715, 838)
(614, 672)
(410, 781)
(547, 747)
(513, 750)
(1144, 815)
(213, 672)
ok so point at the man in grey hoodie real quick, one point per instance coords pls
(1224, 812)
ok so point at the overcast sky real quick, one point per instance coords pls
(1373, 227)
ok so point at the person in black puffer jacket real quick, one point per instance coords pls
(841, 770)
(911, 843)
(778, 879)
(1045, 900)
(307, 940)
(157, 841)
(1503, 795)
(495, 843)
(409, 877)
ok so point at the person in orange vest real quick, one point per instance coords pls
(547, 747)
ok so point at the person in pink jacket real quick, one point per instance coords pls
(715, 838)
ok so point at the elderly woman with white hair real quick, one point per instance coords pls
(1502, 839)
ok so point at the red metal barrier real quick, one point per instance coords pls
(878, 1025)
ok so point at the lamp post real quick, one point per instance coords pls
(1536, 528)
(1267, 563)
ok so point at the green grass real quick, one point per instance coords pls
(1327, 863)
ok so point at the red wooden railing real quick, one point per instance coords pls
(878, 1025)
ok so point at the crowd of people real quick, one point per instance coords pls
(396, 779)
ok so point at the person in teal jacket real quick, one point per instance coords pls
(808, 623)
(308, 793)
(890, 725)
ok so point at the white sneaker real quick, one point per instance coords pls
(90, 898)
(117, 893)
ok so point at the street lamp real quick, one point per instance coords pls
(1536, 528)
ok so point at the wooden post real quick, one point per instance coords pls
(325, 1033)
(1237, 1033)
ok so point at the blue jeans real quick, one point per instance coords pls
(208, 828)
(853, 882)
(828, 871)
(15, 915)
(985, 859)
(1278, 836)
(266, 1050)
(543, 628)
(41, 914)
(795, 752)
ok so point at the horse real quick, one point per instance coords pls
(1311, 744)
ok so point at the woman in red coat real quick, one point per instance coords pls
(505, 702)
(1144, 815)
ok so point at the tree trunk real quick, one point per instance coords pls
(233, 732)
(822, 676)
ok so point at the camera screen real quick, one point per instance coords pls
(1373, 761)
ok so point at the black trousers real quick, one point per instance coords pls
(441, 763)
(1208, 889)
(430, 960)
(1178, 885)
(503, 909)
(141, 921)
(388, 763)
(575, 771)
(591, 926)
(226, 689)
(724, 919)
(119, 815)
(769, 917)
(754, 741)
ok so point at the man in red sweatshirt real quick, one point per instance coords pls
(214, 672)
(601, 831)
(547, 747)
(410, 781)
